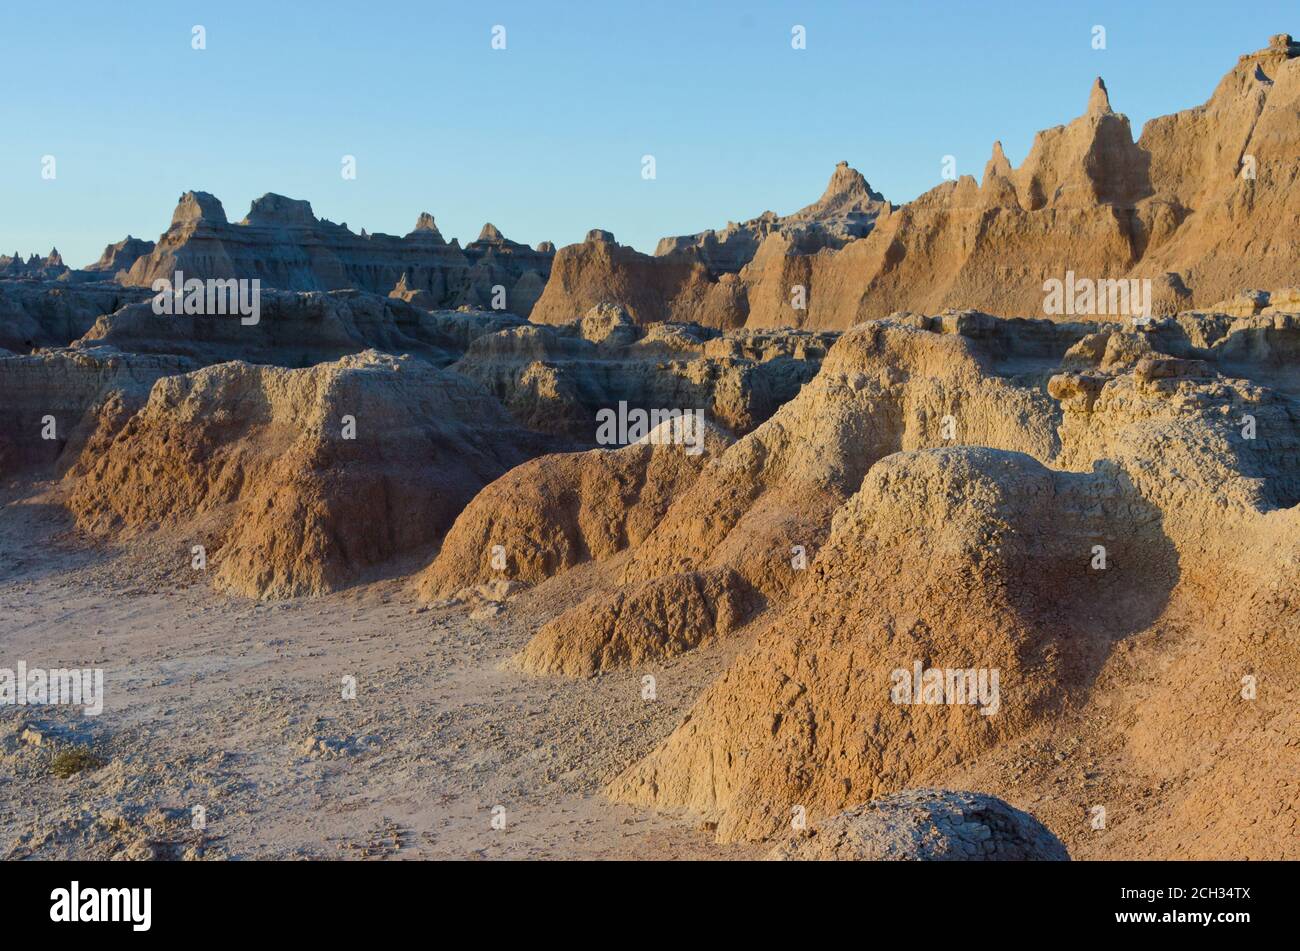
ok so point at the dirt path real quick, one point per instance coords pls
(237, 707)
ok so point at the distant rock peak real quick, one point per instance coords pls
(846, 211)
(273, 209)
(282, 243)
(198, 206)
(848, 183)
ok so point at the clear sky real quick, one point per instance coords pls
(545, 138)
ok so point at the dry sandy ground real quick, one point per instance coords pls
(237, 707)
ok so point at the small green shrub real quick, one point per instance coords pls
(72, 760)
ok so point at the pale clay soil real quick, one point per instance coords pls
(235, 705)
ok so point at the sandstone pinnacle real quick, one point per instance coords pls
(1099, 99)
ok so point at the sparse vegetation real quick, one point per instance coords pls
(72, 760)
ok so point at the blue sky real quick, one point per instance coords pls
(545, 138)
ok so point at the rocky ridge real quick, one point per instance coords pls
(282, 243)
(1202, 204)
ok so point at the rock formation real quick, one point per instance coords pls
(559, 511)
(675, 287)
(54, 401)
(36, 314)
(282, 243)
(35, 267)
(556, 379)
(928, 825)
(846, 210)
(936, 501)
(1202, 205)
(121, 256)
(298, 481)
(296, 330)
(923, 547)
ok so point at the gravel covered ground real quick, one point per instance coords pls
(237, 708)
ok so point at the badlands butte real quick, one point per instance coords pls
(720, 639)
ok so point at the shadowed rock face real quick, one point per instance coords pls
(1203, 204)
(54, 401)
(43, 314)
(928, 825)
(35, 267)
(283, 244)
(121, 256)
(298, 330)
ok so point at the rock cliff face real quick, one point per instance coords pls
(55, 401)
(1203, 205)
(283, 244)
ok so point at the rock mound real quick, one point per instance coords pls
(928, 825)
(936, 574)
(650, 622)
(558, 511)
(300, 480)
